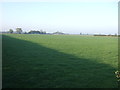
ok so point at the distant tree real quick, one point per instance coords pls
(109, 34)
(37, 32)
(25, 32)
(34, 32)
(19, 30)
(41, 31)
(44, 32)
(10, 31)
(58, 32)
(80, 33)
(115, 34)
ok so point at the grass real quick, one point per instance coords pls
(59, 61)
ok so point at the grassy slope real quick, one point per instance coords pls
(59, 61)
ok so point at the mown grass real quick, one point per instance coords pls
(59, 61)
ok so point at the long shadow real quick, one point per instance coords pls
(29, 65)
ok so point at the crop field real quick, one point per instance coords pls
(59, 61)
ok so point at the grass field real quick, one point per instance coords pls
(59, 61)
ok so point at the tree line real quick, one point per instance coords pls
(20, 31)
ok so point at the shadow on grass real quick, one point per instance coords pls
(29, 65)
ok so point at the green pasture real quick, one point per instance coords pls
(59, 61)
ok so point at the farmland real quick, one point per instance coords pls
(59, 61)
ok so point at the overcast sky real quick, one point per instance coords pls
(93, 16)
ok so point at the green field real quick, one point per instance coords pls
(59, 61)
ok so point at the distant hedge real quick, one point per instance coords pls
(108, 35)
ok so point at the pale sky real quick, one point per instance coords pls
(97, 16)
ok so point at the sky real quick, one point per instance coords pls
(73, 17)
